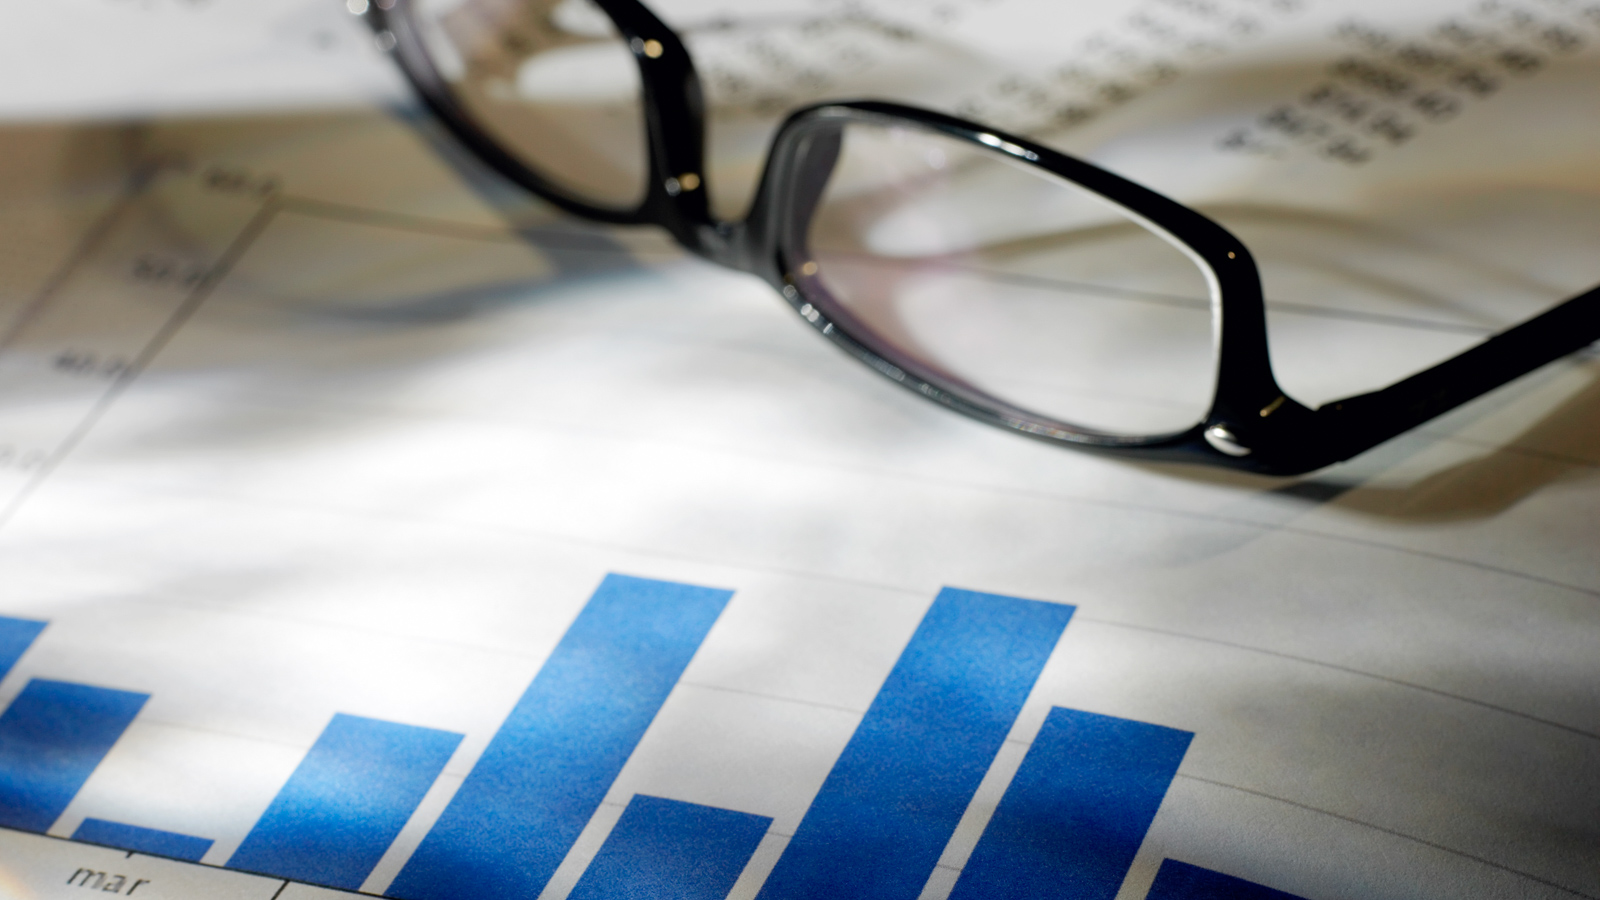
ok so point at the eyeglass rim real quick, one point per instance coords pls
(1252, 425)
(1239, 311)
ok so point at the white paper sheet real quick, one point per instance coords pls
(294, 423)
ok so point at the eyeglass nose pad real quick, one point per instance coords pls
(815, 160)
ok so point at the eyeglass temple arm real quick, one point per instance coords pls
(1358, 423)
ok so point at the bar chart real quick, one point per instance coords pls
(1068, 824)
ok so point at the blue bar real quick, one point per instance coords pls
(345, 802)
(51, 739)
(893, 798)
(551, 763)
(663, 849)
(1181, 881)
(16, 636)
(142, 840)
(1077, 810)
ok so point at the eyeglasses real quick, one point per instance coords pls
(988, 273)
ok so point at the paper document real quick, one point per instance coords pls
(368, 527)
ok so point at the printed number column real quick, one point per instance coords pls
(134, 279)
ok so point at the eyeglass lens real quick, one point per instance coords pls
(998, 278)
(553, 82)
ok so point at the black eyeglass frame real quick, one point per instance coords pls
(1252, 425)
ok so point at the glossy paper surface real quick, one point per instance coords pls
(319, 448)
